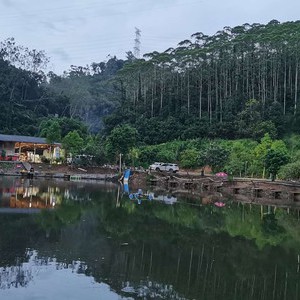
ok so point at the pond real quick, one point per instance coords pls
(77, 240)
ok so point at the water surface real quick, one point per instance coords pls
(77, 240)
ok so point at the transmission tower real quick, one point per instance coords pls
(137, 43)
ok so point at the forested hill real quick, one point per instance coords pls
(29, 96)
(239, 82)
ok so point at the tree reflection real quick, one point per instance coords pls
(184, 250)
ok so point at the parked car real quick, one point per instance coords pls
(168, 167)
(155, 166)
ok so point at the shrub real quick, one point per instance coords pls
(290, 171)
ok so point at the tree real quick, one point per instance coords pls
(52, 133)
(189, 158)
(215, 156)
(51, 130)
(290, 171)
(66, 125)
(120, 141)
(93, 146)
(32, 60)
(73, 143)
(241, 157)
(274, 160)
(261, 151)
(134, 154)
(260, 128)
(270, 155)
(276, 157)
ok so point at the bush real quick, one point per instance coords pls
(290, 171)
(189, 158)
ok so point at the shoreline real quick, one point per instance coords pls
(187, 181)
(206, 188)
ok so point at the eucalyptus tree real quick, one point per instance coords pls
(212, 78)
(164, 63)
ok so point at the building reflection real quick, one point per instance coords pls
(25, 194)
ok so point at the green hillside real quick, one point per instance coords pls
(240, 83)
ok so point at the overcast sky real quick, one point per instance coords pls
(80, 32)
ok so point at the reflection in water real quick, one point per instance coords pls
(151, 290)
(139, 196)
(96, 243)
(21, 275)
(38, 271)
(16, 192)
(23, 193)
(167, 199)
(43, 278)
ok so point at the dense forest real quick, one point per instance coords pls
(240, 83)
